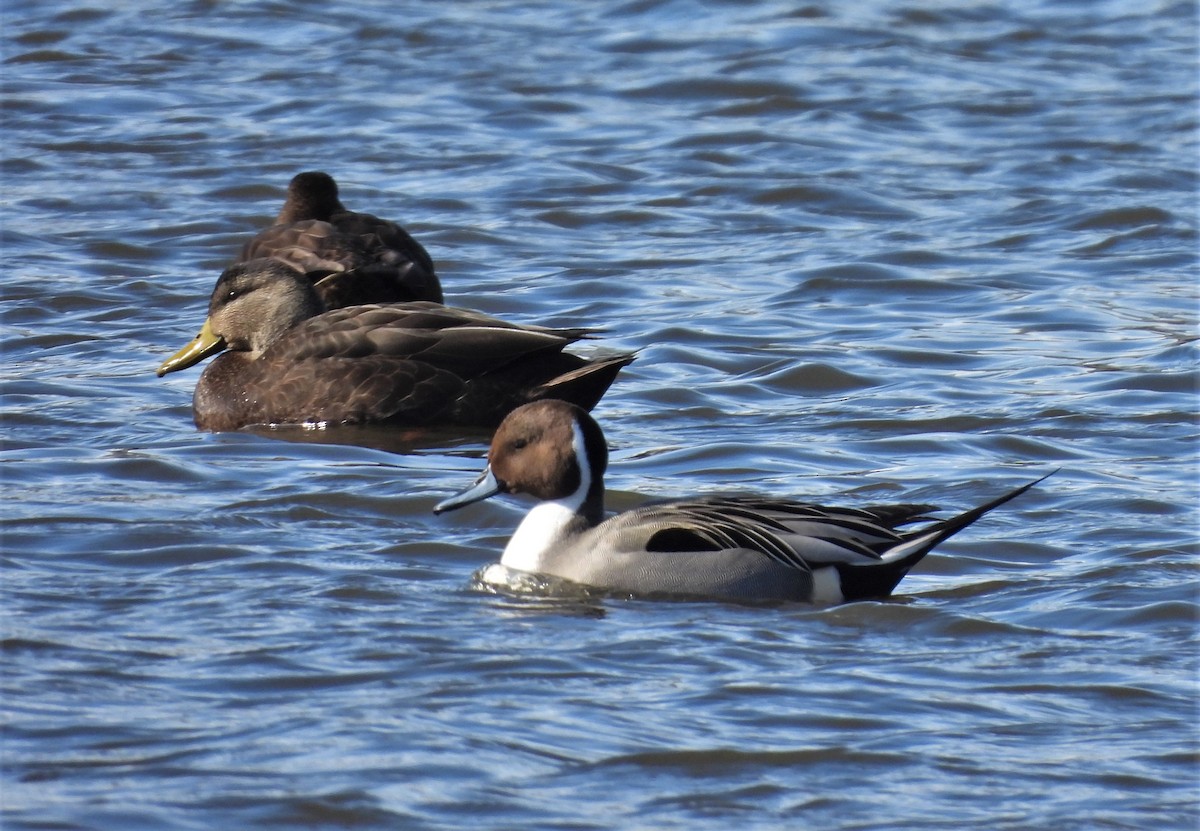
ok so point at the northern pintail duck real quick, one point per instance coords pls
(351, 258)
(735, 548)
(423, 364)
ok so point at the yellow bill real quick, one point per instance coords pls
(204, 344)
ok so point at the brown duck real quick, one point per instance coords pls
(288, 361)
(351, 258)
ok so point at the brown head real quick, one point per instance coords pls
(311, 195)
(534, 450)
(544, 449)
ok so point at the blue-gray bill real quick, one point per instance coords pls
(483, 487)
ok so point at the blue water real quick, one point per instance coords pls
(867, 253)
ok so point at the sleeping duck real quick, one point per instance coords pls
(351, 258)
(287, 360)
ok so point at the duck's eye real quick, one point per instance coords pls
(520, 444)
(231, 295)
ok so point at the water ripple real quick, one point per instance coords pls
(867, 255)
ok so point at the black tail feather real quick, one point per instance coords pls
(863, 582)
(587, 384)
(952, 526)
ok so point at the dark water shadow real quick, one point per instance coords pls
(401, 440)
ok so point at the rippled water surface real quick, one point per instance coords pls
(868, 252)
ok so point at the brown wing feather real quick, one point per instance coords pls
(349, 268)
(384, 237)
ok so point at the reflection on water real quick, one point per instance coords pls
(399, 440)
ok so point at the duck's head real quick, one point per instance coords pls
(253, 303)
(548, 449)
(311, 195)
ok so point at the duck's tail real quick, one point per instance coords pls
(586, 385)
(859, 582)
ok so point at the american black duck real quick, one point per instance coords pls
(351, 258)
(288, 361)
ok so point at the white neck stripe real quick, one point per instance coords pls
(545, 525)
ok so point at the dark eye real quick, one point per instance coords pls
(231, 295)
(520, 444)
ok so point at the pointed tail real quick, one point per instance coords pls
(586, 385)
(880, 579)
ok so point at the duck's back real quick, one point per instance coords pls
(351, 260)
(741, 548)
(383, 236)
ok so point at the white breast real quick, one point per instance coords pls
(538, 533)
